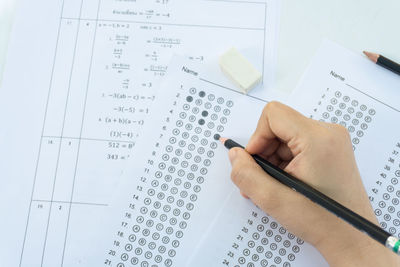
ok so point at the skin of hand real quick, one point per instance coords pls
(321, 155)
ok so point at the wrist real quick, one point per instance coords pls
(354, 248)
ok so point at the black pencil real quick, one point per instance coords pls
(324, 201)
(383, 62)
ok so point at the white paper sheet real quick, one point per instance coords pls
(181, 185)
(80, 78)
(346, 88)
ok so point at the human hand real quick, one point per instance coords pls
(321, 155)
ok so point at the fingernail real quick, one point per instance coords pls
(243, 195)
(232, 154)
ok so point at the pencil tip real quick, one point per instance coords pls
(372, 56)
(223, 140)
(367, 53)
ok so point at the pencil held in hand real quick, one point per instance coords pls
(324, 201)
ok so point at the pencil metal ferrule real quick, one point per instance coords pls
(393, 244)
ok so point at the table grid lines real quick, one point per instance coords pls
(168, 24)
(62, 131)
(69, 202)
(87, 139)
(80, 134)
(41, 139)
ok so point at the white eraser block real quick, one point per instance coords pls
(239, 70)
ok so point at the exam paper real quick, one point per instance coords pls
(176, 204)
(346, 88)
(81, 76)
(339, 87)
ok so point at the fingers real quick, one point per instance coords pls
(254, 183)
(278, 122)
(276, 199)
(277, 152)
(274, 159)
(284, 152)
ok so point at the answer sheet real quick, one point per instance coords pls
(348, 89)
(178, 199)
(80, 78)
(338, 87)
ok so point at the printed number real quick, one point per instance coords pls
(112, 156)
(113, 144)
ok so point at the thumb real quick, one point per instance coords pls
(254, 182)
(274, 198)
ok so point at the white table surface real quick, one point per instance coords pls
(356, 24)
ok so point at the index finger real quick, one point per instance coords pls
(277, 122)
